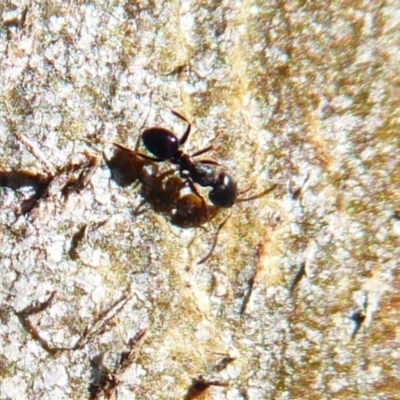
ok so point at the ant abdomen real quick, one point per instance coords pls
(224, 191)
(190, 211)
(161, 142)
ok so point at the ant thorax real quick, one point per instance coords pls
(200, 173)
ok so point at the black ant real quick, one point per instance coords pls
(165, 145)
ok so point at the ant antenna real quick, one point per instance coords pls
(204, 259)
(257, 196)
(144, 122)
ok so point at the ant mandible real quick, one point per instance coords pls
(165, 146)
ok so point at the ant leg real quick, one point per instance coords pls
(196, 192)
(179, 115)
(198, 153)
(139, 209)
(149, 158)
(207, 256)
(185, 136)
(202, 151)
(120, 146)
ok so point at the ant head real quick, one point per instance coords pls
(224, 192)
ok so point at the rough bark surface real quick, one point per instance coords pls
(101, 292)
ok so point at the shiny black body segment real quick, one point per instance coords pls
(165, 146)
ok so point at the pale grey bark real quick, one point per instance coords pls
(299, 298)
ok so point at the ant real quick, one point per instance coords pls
(165, 146)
